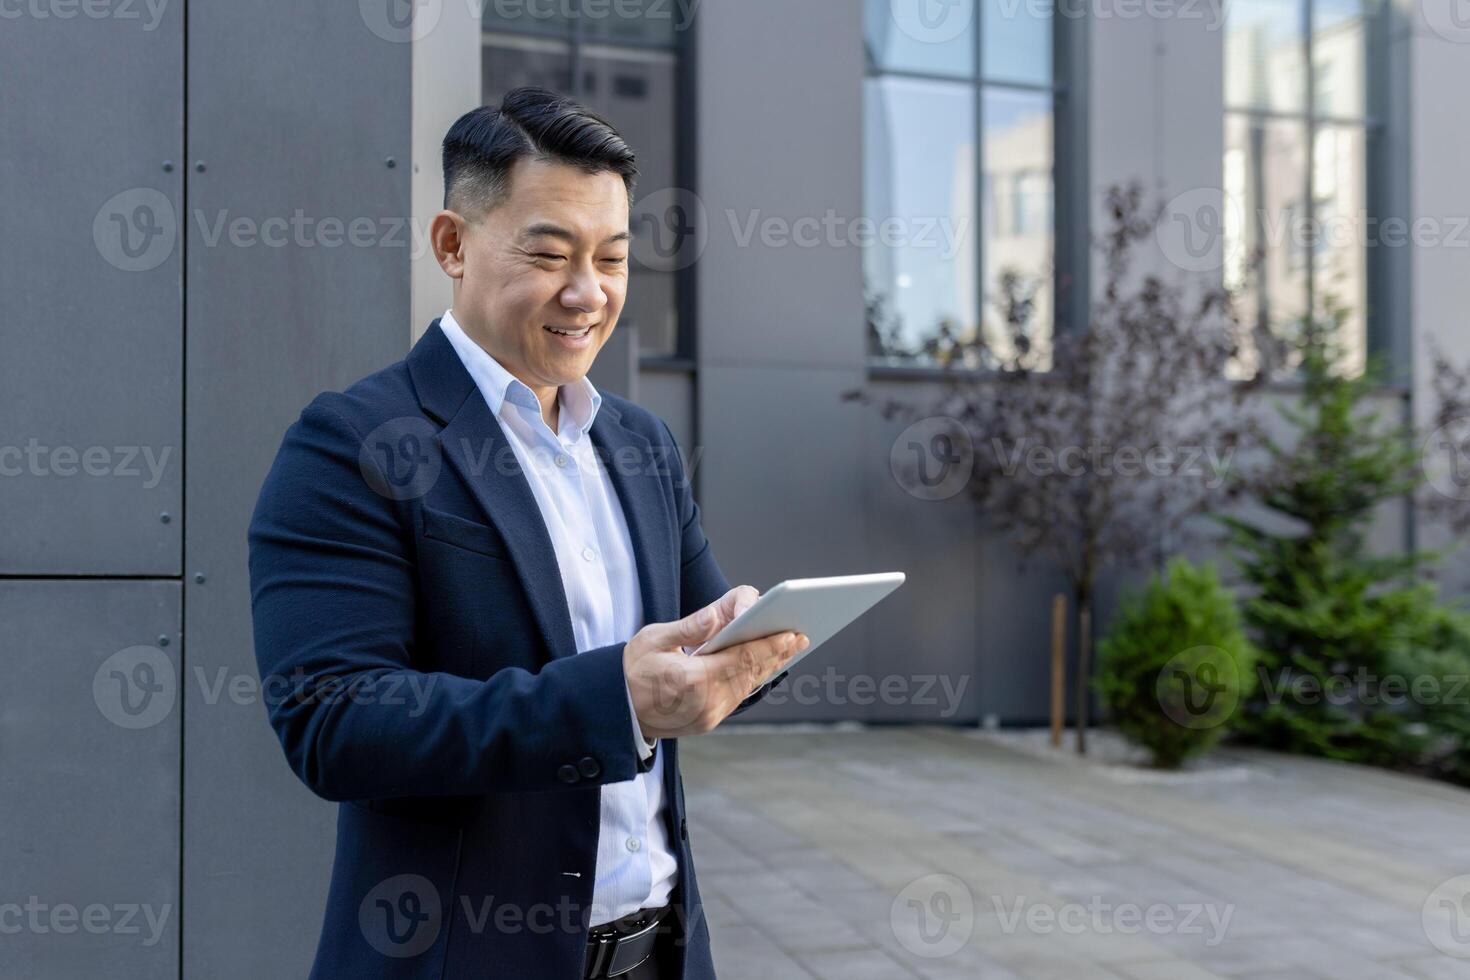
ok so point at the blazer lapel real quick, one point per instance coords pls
(474, 443)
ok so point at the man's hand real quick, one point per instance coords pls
(675, 694)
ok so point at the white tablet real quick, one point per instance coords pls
(818, 607)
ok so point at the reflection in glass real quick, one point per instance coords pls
(636, 91)
(640, 22)
(549, 19)
(1016, 215)
(1266, 232)
(1264, 55)
(918, 192)
(936, 38)
(1339, 49)
(509, 61)
(1340, 273)
(1017, 42)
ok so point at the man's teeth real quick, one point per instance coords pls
(570, 333)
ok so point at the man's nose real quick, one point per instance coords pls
(584, 293)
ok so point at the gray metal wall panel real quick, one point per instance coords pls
(670, 396)
(292, 112)
(89, 779)
(780, 477)
(780, 325)
(90, 333)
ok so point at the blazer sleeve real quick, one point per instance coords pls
(700, 580)
(333, 584)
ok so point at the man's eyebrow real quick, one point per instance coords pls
(546, 229)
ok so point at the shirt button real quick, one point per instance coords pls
(588, 554)
(634, 843)
(561, 460)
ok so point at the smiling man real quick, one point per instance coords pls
(474, 578)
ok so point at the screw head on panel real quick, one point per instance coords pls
(199, 577)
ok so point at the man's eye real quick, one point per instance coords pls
(549, 255)
(616, 259)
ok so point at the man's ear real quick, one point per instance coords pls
(447, 237)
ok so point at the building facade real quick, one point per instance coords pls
(216, 212)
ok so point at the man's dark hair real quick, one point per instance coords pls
(484, 143)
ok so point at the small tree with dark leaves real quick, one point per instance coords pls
(1094, 448)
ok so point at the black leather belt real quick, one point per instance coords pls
(616, 947)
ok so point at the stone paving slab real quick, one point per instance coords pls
(938, 853)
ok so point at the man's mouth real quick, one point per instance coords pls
(569, 332)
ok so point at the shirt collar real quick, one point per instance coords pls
(580, 401)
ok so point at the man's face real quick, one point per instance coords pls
(553, 254)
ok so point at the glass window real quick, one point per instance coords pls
(922, 37)
(918, 186)
(1017, 38)
(1297, 230)
(1265, 186)
(622, 61)
(1265, 66)
(1339, 46)
(958, 124)
(1016, 211)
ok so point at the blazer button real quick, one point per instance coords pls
(589, 766)
(567, 774)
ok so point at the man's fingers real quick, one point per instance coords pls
(748, 663)
(690, 631)
(737, 600)
(723, 610)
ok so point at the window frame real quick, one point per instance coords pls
(1071, 256)
(683, 50)
(1373, 124)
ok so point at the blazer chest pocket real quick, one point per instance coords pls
(464, 533)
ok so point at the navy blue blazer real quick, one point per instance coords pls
(416, 649)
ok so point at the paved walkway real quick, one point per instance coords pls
(893, 853)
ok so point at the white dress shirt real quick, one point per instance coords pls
(636, 867)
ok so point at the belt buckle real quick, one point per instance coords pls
(598, 955)
(603, 956)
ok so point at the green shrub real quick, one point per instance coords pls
(1340, 627)
(1176, 664)
(1431, 699)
